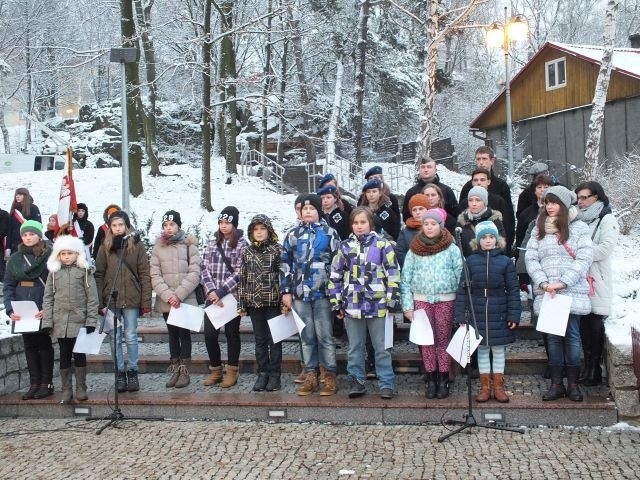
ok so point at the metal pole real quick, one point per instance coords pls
(507, 77)
(125, 140)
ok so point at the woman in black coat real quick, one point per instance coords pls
(495, 296)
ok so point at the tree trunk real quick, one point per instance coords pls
(148, 114)
(3, 127)
(266, 82)
(363, 27)
(229, 80)
(335, 114)
(431, 29)
(281, 100)
(305, 97)
(128, 31)
(600, 96)
(205, 187)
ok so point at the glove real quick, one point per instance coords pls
(90, 329)
(145, 310)
(524, 287)
(47, 331)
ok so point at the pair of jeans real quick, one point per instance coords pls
(268, 354)
(179, 340)
(357, 329)
(129, 324)
(232, 332)
(566, 350)
(318, 347)
(66, 353)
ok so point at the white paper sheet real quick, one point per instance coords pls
(388, 331)
(554, 314)
(220, 316)
(462, 347)
(109, 321)
(89, 343)
(186, 316)
(28, 322)
(283, 326)
(421, 332)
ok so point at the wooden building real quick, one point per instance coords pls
(551, 101)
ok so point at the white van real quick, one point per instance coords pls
(11, 163)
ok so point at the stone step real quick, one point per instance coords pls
(523, 357)
(241, 403)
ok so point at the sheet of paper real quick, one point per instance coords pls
(554, 314)
(89, 343)
(462, 347)
(108, 321)
(421, 332)
(28, 322)
(220, 316)
(186, 316)
(282, 327)
(298, 320)
(388, 331)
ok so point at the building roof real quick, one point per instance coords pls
(625, 61)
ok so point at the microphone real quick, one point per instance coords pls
(133, 234)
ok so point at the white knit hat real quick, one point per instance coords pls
(66, 243)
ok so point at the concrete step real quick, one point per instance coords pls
(523, 357)
(240, 402)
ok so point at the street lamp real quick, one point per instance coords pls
(501, 35)
(124, 56)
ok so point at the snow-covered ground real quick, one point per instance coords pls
(180, 190)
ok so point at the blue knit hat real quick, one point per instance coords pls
(377, 170)
(486, 228)
(327, 189)
(327, 178)
(375, 183)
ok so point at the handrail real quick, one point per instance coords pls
(348, 174)
(269, 167)
(398, 172)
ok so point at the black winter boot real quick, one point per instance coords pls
(261, 382)
(274, 384)
(573, 391)
(33, 365)
(443, 385)
(430, 385)
(556, 390)
(132, 381)
(121, 383)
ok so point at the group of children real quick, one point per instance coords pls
(314, 272)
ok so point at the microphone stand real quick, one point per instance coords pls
(469, 418)
(116, 416)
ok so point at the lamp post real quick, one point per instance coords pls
(124, 56)
(501, 35)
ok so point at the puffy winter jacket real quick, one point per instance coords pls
(259, 284)
(175, 270)
(364, 277)
(495, 294)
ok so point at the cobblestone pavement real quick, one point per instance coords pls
(57, 449)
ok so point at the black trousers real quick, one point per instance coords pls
(232, 332)
(179, 340)
(66, 352)
(268, 354)
(39, 352)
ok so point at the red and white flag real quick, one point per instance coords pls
(68, 204)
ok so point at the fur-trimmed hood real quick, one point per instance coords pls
(67, 242)
(490, 214)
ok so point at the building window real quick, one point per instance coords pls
(555, 73)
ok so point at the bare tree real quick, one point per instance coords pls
(363, 28)
(205, 186)
(600, 96)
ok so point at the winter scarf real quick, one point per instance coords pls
(423, 246)
(550, 222)
(474, 216)
(38, 264)
(589, 214)
(413, 224)
(169, 239)
(118, 243)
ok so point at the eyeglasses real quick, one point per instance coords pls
(586, 197)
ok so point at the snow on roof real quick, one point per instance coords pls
(625, 60)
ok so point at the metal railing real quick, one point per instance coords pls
(400, 174)
(271, 170)
(349, 175)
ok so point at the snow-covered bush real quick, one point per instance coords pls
(620, 182)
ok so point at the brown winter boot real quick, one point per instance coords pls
(81, 383)
(498, 388)
(330, 386)
(175, 373)
(67, 388)
(301, 377)
(230, 377)
(485, 388)
(183, 373)
(215, 376)
(310, 384)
